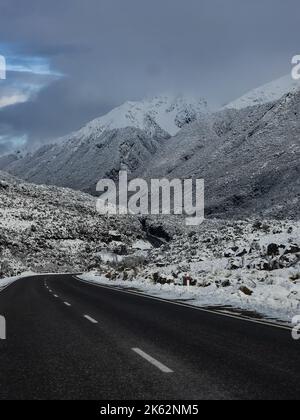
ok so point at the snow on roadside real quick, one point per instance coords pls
(9, 280)
(252, 264)
(278, 302)
(245, 265)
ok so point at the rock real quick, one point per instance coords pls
(161, 264)
(257, 225)
(242, 253)
(295, 277)
(228, 254)
(246, 291)
(292, 249)
(273, 249)
(156, 277)
(234, 264)
(226, 283)
(289, 260)
(115, 235)
(192, 234)
(4, 185)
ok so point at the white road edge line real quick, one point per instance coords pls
(144, 295)
(153, 361)
(89, 318)
(67, 304)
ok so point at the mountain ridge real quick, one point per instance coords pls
(249, 157)
(168, 113)
(269, 92)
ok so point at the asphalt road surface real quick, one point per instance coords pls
(67, 339)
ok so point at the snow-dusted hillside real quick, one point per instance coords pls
(50, 229)
(253, 265)
(126, 138)
(269, 92)
(249, 159)
(80, 165)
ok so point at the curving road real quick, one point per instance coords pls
(71, 340)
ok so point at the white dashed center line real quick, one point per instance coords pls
(67, 304)
(153, 361)
(55, 296)
(89, 318)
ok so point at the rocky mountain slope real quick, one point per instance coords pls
(126, 138)
(248, 156)
(249, 159)
(80, 165)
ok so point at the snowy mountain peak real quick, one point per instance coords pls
(269, 92)
(168, 113)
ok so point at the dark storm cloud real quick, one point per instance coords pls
(114, 50)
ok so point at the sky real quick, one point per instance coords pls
(69, 61)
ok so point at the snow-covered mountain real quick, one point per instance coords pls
(249, 159)
(269, 92)
(168, 113)
(81, 164)
(125, 138)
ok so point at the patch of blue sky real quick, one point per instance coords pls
(34, 65)
(15, 141)
(22, 63)
(26, 76)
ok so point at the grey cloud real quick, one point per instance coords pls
(115, 50)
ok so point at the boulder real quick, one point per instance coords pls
(273, 249)
(246, 291)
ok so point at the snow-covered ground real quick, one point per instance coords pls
(250, 266)
(277, 299)
(50, 229)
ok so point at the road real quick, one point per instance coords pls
(70, 340)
